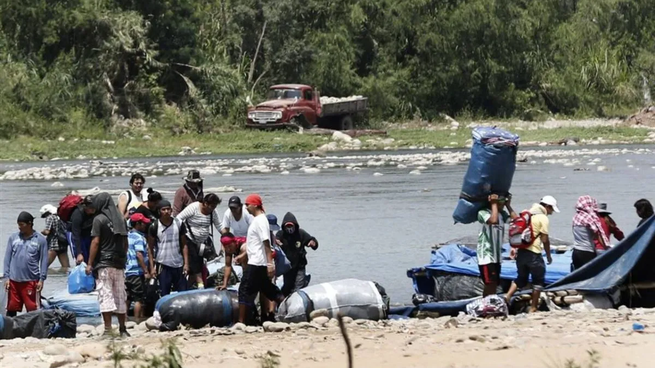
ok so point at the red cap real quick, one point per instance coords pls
(254, 200)
(138, 217)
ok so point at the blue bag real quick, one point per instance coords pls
(79, 282)
(282, 264)
(490, 171)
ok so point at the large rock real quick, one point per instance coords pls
(321, 321)
(93, 350)
(85, 329)
(54, 349)
(319, 313)
(276, 327)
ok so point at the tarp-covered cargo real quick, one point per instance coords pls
(351, 297)
(453, 272)
(491, 169)
(40, 324)
(82, 305)
(198, 308)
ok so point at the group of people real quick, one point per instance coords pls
(592, 227)
(143, 237)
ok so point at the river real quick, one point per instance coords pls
(371, 226)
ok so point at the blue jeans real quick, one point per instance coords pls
(170, 277)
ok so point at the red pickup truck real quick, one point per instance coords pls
(293, 105)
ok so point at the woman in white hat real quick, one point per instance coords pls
(55, 233)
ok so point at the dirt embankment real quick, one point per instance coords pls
(540, 340)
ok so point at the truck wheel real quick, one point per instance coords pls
(346, 123)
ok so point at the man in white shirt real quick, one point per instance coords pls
(236, 219)
(261, 268)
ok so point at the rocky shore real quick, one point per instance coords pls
(407, 162)
(596, 338)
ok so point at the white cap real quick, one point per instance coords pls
(551, 201)
(48, 208)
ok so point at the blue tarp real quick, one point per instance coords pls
(459, 259)
(83, 305)
(632, 256)
(491, 169)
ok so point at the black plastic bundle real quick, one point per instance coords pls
(198, 308)
(41, 324)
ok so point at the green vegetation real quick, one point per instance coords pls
(251, 141)
(80, 68)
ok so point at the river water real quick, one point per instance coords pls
(372, 226)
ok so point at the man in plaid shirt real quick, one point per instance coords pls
(55, 235)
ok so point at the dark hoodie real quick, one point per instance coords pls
(294, 245)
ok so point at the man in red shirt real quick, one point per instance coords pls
(609, 227)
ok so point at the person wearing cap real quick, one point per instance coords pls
(25, 266)
(167, 251)
(236, 219)
(131, 199)
(609, 227)
(587, 232)
(188, 193)
(107, 258)
(260, 268)
(136, 267)
(529, 261)
(294, 241)
(55, 232)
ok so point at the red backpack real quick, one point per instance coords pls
(67, 205)
(521, 235)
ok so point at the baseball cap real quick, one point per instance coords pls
(551, 201)
(272, 222)
(138, 217)
(234, 202)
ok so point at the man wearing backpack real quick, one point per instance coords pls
(167, 250)
(490, 241)
(55, 233)
(529, 260)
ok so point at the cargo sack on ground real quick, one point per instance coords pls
(351, 297)
(40, 324)
(82, 305)
(197, 308)
(489, 306)
(79, 282)
(490, 171)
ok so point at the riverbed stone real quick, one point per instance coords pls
(85, 329)
(276, 327)
(54, 349)
(130, 325)
(321, 320)
(319, 313)
(94, 350)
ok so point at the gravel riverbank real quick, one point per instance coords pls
(541, 340)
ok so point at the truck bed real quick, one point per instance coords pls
(343, 105)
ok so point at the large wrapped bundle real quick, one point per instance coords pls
(40, 324)
(198, 308)
(490, 171)
(353, 298)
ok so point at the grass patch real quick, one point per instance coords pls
(253, 141)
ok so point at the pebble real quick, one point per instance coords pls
(54, 349)
(130, 325)
(319, 313)
(242, 327)
(333, 322)
(277, 327)
(251, 329)
(85, 329)
(321, 320)
(347, 320)
(451, 322)
(93, 350)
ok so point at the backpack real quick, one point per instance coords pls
(521, 234)
(67, 205)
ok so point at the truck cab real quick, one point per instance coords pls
(285, 105)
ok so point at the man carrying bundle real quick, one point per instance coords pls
(490, 240)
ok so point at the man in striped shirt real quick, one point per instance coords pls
(136, 269)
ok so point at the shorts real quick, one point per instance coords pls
(255, 280)
(580, 258)
(57, 248)
(135, 287)
(490, 273)
(196, 262)
(22, 293)
(110, 286)
(530, 263)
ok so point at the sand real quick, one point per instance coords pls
(540, 340)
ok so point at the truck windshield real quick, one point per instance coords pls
(279, 94)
